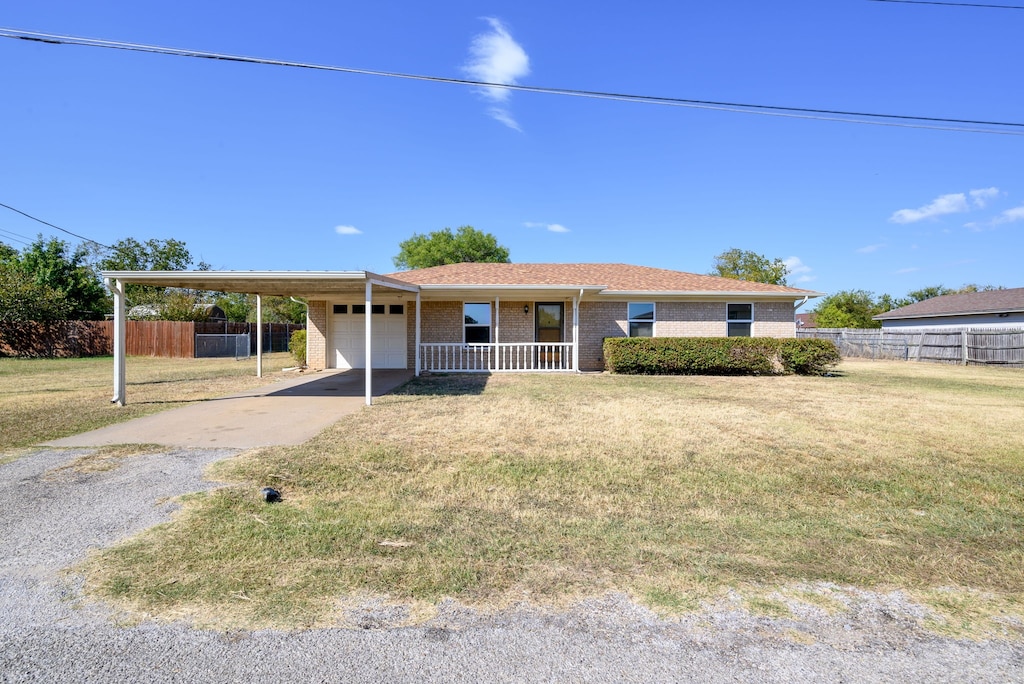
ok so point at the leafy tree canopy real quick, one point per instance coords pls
(22, 299)
(855, 308)
(848, 309)
(152, 255)
(59, 275)
(441, 247)
(745, 265)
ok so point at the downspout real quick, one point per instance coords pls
(116, 288)
(801, 303)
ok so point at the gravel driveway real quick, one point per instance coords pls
(51, 518)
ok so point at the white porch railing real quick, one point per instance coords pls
(494, 358)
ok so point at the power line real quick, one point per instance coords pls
(900, 120)
(45, 223)
(15, 237)
(953, 4)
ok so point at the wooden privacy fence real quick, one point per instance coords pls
(965, 347)
(171, 339)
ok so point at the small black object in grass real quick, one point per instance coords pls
(270, 495)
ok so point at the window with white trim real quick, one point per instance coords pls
(477, 326)
(739, 319)
(641, 319)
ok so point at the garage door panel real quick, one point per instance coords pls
(348, 335)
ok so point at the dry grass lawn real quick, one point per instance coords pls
(44, 399)
(551, 487)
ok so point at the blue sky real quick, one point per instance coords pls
(266, 167)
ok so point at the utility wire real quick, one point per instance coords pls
(906, 121)
(16, 237)
(45, 223)
(953, 4)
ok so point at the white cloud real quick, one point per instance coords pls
(796, 267)
(347, 230)
(981, 197)
(1010, 216)
(553, 227)
(495, 57)
(955, 203)
(868, 249)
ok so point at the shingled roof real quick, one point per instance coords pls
(612, 277)
(990, 302)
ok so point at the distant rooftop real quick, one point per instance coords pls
(990, 302)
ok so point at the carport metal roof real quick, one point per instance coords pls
(260, 283)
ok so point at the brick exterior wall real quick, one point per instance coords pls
(599, 320)
(442, 322)
(316, 335)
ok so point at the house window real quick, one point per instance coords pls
(641, 319)
(377, 308)
(359, 309)
(739, 317)
(477, 322)
(341, 308)
(396, 309)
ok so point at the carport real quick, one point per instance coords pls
(307, 284)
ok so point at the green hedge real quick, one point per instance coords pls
(719, 355)
(297, 346)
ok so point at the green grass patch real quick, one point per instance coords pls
(549, 488)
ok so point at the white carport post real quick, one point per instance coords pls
(369, 343)
(259, 336)
(116, 287)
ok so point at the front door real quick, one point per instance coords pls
(550, 329)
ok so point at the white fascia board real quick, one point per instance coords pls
(716, 294)
(988, 312)
(136, 276)
(384, 281)
(474, 286)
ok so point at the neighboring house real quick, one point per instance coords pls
(994, 309)
(806, 321)
(480, 317)
(497, 317)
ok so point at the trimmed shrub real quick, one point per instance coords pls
(297, 346)
(719, 355)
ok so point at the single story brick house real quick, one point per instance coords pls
(484, 317)
(538, 317)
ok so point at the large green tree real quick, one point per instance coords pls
(152, 255)
(52, 281)
(444, 247)
(742, 264)
(849, 309)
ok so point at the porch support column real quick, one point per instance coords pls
(494, 361)
(259, 336)
(369, 343)
(417, 342)
(116, 287)
(576, 332)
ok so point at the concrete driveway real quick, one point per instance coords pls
(287, 412)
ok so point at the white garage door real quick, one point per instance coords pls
(348, 335)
